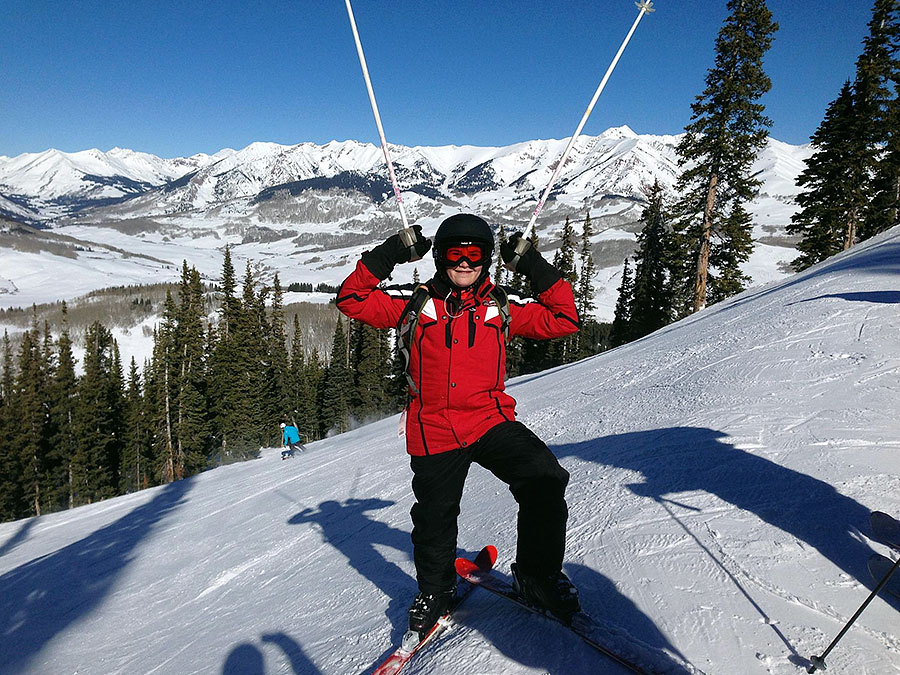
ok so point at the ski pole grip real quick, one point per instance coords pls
(408, 237)
(521, 249)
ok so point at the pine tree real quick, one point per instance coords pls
(621, 325)
(301, 387)
(650, 304)
(584, 293)
(134, 473)
(164, 391)
(98, 422)
(726, 132)
(11, 497)
(279, 354)
(337, 386)
(191, 429)
(315, 377)
(62, 412)
(835, 185)
(371, 363)
(30, 421)
(878, 107)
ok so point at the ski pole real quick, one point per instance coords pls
(819, 661)
(645, 7)
(406, 234)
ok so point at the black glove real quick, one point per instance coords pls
(530, 263)
(380, 260)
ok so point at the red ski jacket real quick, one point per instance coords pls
(458, 353)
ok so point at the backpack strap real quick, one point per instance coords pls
(406, 329)
(502, 299)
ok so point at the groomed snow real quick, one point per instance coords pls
(723, 471)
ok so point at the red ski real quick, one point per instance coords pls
(582, 625)
(405, 652)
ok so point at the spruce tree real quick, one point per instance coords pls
(279, 355)
(62, 413)
(136, 437)
(584, 292)
(337, 385)
(650, 304)
(302, 387)
(620, 332)
(192, 418)
(835, 186)
(726, 132)
(11, 498)
(878, 107)
(97, 422)
(30, 422)
(370, 371)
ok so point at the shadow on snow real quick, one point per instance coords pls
(41, 598)
(247, 659)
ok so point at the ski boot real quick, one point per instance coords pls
(553, 593)
(425, 611)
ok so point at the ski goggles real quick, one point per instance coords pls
(457, 253)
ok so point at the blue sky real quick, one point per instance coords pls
(176, 78)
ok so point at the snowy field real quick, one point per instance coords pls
(723, 471)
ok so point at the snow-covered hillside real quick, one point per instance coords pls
(307, 211)
(723, 471)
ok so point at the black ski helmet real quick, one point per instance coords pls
(463, 228)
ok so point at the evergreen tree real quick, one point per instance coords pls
(191, 427)
(11, 498)
(30, 422)
(279, 354)
(620, 332)
(835, 185)
(302, 387)
(315, 377)
(726, 132)
(98, 423)
(370, 371)
(62, 412)
(164, 393)
(135, 473)
(584, 292)
(650, 304)
(878, 107)
(337, 385)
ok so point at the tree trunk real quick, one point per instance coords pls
(705, 236)
(170, 459)
(850, 230)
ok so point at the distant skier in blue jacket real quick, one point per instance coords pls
(290, 440)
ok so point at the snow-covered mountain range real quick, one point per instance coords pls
(308, 210)
(723, 471)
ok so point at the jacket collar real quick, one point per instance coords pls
(461, 299)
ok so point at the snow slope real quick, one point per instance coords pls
(723, 470)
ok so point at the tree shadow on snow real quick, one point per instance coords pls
(20, 536)
(44, 597)
(881, 297)
(247, 659)
(685, 459)
(348, 527)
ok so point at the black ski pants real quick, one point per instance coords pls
(514, 454)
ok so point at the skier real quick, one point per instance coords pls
(458, 411)
(290, 439)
